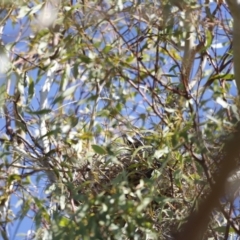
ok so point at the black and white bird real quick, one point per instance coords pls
(132, 141)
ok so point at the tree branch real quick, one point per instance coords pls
(197, 223)
(234, 6)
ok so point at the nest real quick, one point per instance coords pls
(97, 174)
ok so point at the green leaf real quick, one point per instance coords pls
(208, 42)
(31, 88)
(14, 177)
(69, 91)
(75, 70)
(85, 59)
(227, 77)
(222, 229)
(98, 149)
(64, 222)
(24, 10)
(168, 75)
(130, 59)
(107, 49)
(40, 112)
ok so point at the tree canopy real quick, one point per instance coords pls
(119, 119)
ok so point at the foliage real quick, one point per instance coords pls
(114, 117)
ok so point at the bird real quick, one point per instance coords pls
(132, 141)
